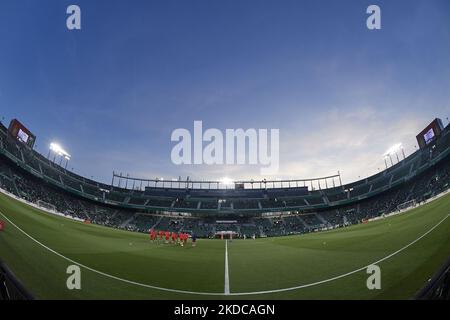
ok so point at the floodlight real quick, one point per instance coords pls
(226, 181)
(392, 150)
(56, 148)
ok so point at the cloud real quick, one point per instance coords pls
(351, 141)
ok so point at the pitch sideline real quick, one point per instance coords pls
(218, 293)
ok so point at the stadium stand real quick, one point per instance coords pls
(29, 175)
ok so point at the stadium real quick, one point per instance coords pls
(310, 239)
(209, 157)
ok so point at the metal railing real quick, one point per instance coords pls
(10, 287)
(126, 182)
(438, 288)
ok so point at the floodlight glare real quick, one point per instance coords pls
(56, 148)
(226, 181)
(392, 150)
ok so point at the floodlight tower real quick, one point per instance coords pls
(59, 151)
(391, 151)
(392, 162)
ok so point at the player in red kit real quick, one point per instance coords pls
(152, 235)
(167, 236)
(182, 239)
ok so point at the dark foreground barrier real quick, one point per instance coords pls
(10, 287)
(438, 288)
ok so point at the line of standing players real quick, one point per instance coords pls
(171, 237)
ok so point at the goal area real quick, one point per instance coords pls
(46, 205)
(407, 204)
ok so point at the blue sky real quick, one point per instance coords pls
(113, 92)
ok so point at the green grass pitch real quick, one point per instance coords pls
(126, 265)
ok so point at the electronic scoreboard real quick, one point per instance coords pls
(430, 133)
(21, 133)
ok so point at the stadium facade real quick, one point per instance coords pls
(260, 208)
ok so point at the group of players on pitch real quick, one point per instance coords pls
(171, 237)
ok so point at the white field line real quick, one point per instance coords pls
(227, 277)
(234, 293)
(106, 274)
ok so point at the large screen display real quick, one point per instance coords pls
(428, 136)
(22, 136)
(429, 133)
(21, 133)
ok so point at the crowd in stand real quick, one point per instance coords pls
(31, 188)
